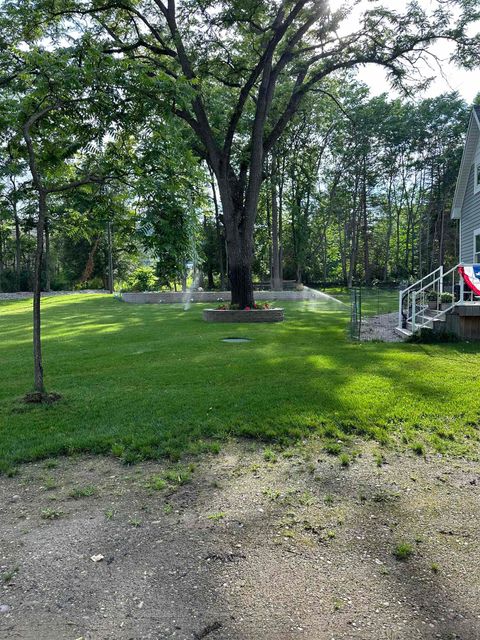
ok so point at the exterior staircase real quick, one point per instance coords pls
(426, 303)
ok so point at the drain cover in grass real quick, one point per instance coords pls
(236, 340)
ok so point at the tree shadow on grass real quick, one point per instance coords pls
(158, 381)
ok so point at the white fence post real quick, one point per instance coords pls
(400, 310)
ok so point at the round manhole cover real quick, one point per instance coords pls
(236, 340)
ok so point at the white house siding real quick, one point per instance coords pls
(470, 220)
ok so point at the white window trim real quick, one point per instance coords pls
(475, 234)
(476, 173)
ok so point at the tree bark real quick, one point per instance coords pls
(37, 343)
(47, 256)
(276, 275)
(220, 239)
(110, 256)
(18, 248)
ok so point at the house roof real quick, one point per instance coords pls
(471, 144)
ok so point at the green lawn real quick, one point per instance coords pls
(153, 380)
(374, 300)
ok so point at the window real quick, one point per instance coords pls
(476, 246)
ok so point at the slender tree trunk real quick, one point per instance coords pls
(47, 256)
(37, 343)
(389, 230)
(18, 248)
(220, 239)
(276, 276)
(110, 256)
(1, 260)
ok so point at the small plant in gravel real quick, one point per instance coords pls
(50, 464)
(82, 492)
(333, 448)
(156, 483)
(167, 509)
(403, 551)
(271, 494)
(329, 500)
(109, 514)
(306, 499)
(135, 522)
(434, 567)
(50, 484)
(219, 515)
(179, 476)
(379, 459)
(269, 456)
(418, 448)
(337, 605)
(51, 514)
(8, 576)
(344, 460)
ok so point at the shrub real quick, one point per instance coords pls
(142, 279)
(446, 297)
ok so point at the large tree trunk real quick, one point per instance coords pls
(240, 258)
(37, 344)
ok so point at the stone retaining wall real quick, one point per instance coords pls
(152, 297)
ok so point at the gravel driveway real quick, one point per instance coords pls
(246, 545)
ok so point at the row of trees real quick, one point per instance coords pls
(137, 113)
(359, 190)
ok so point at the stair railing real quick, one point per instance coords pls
(413, 301)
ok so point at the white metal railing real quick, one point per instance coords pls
(421, 303)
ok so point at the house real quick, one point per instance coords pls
(466, 202)
(449, 300)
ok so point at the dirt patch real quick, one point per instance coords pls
(239, 548)
(37, 397)
(380, 327)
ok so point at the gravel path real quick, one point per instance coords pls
(380, 327)
(248, 549)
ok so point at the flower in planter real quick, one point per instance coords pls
(247, 309)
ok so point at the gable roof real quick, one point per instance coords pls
(471, 143)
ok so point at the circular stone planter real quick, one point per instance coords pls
(235, 315)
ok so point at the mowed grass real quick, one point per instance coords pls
(142, 381)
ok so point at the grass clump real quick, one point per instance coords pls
(156, 483)
(219, 515)
(418, 448)
(344, 459)
(403, 551)
(269, 456)
(333, 448)
(82, 492)
(51, 514)
(8, 576)
(179, 475)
